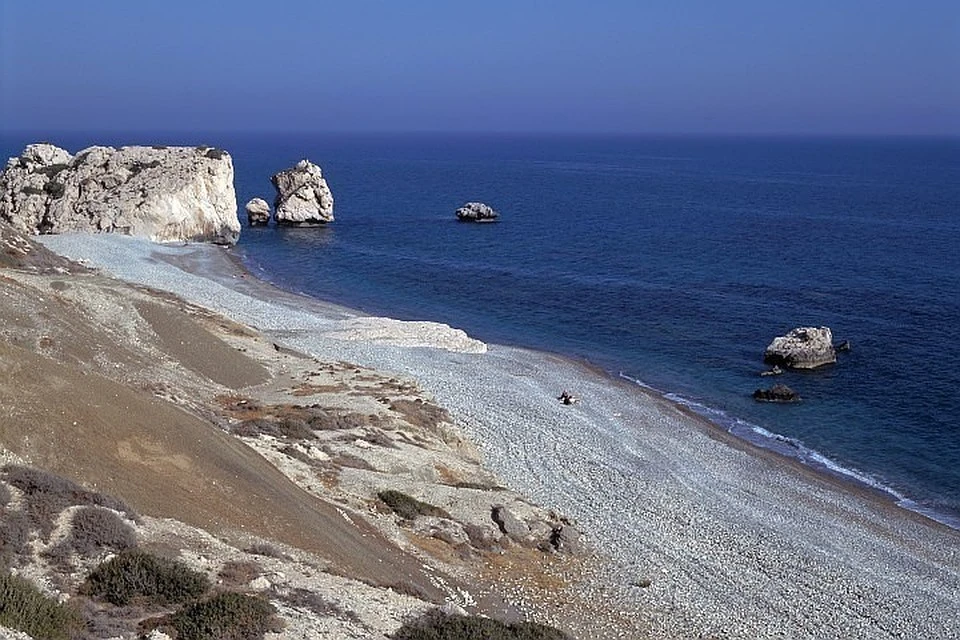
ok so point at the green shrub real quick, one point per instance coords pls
(15, 528)
(54, 189)
(408, 507)
(143, 577)
(226, 616)
(215, 154)
(436, 625)
(25, 608)
(92, 530)
(292, 428)
(315, 604)
(52, 169)
(47, 494)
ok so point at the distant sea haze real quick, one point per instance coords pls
(670, 260)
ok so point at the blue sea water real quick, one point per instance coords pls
(669, 260)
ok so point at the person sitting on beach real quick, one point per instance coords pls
(566, 397)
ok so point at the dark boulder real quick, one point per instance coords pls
(776, 393)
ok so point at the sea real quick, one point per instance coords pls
(671, 261)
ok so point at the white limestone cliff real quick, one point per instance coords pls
(166, 194)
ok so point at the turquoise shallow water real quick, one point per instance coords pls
(673, 261)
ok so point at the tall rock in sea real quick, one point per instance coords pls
(303, 197)
(802, 348)
(165, 194)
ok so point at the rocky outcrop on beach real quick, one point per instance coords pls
(802, 348)
(303, 197)
(406, 333)
(166, 194)
(476, 212)
(776, 393)
(258, 212)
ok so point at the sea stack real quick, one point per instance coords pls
(258, 212)
(166, 194)
(802, 348)
(303, 197)
(476, 212)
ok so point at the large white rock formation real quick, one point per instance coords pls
(303, 197)
(165, 194)
(802, 348)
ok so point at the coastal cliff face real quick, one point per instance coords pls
(166, 194)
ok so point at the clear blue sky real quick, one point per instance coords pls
(660, 66)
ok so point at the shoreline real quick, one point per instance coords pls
(702, 517)
(848, 478)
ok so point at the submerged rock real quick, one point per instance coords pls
(776, 393)
(165, 194)
(258, 212)
(476, 212)
(303, 197)
(802, 348)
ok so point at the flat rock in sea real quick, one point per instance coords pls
(776, 393)
(303, 196)
(802, 348)
(166, 194)
(476, 212)
(258, 212)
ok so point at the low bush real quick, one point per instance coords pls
(315, 603)
(93, 530)
(15, 528)
(421, 414)
(137, 576)
(436, 625)
(238, 574)
(291, 428)
(25, 608)
(47, 494)
(216, 154)
(226, 616)
(408, 507)
(54, 189)
(52, 169)
(324, 420)
(267, 550)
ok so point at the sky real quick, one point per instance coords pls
(568, 66)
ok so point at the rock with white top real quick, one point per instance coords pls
(303, 197)
(258, 212)
(802, 348)
(166, 194)
(476, 212)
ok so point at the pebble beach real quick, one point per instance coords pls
(702, 535)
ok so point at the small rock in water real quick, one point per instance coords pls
(776, 393)
(802, 348)
(476, 212)
(258, 212)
